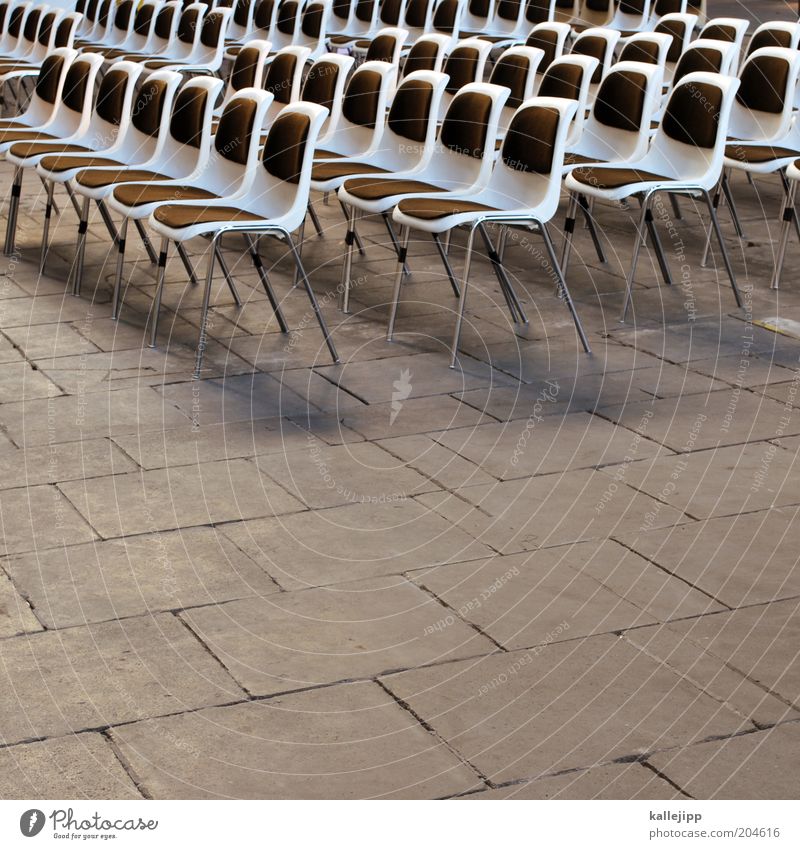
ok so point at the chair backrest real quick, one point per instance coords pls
(693, 132)
(342, 13)
(122, 21)
(477, 15)
(363, 108)
(550, 38)
(426, 54)
(392, 12)
(775, 34)
(237, 142)
(410, 134)
(211, 45)
(47, 89)
(287, 24)
(77, 95)
(599, 43)
(314, 24)
(566, 10)
(763, 106)
(466, 145)
(248, 68)
(112, 106)
(242, 19)
(725, 29)
(281, 186)
(595, 13)
(680, 27)
(417, 17)
(165, 27)
(569, 78)
(144, 22)
(30, 31)
(466, 63)
(66, 30)
(516, 70)
(618, 128)
(190, 26)
(712, 57)
(188, 142)
(150, 116)
(265, 17)
(532, 156)
(651, 48)
(631, 15)
(668, 7)
(539, 12)
(324, 84)
(387, 46)
(284, 76)
(46, 36)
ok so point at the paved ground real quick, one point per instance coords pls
(540, 575)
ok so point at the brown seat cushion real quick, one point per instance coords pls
(429, 209)
(139, 194)
(67, 163)
(334, 170)
(342, 39)
(758, 152)
(26, 149)
(178, 216)
(155, 64)
(615, 178)
(95, 179)
(577, 158)
(327, 154)
(23, 135)
(370, 188)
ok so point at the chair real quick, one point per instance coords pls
(241, 24)
(686, 157)
(426, 53)
(631, 16)
(567, 11)
(119, 30)
(177, 153)
(325, 85)
(162, 40)
(283, 79)
(461, 161)
(514, 18)
(220, 172)
(592, 14)
(286, 30)
(792, 177)
(313, 27)
(652, 48)
(523, 190)
(107, 123)
(726, 29)
(24, 45)
(477, 18)
(14, 23)
(247, 72)
(209, 47)
(141, 36)
(418, 18)
(516, 70)
(599, 43)
(774, 34)
(274, 204)
(362, 25)
(265, 15)
(45, 42)
(67, 124)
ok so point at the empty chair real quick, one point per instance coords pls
(725, 29)
(686, 157)
(274, 204)
(774, 34)
(446, 22)
(164, 34)
(93, 175)
(28, 21)
(417, 19)
(680, 27)
(662, 8)
(46, 40)
(142, 32)
(184, 45)
(241, 24)
(523, 190)
(600, 44)
(477, 17)
(567, 10)
(247, 71)
(325, 84)
(426, 54)
(463, 66)
(461, 161)
(390, 15)
(387, 46)
(67, 125)
(313, 26)
(551, 39)
(13, 25)
(363, 25)
(286, 30)
(119, 30)
(108, 121)
(220, 171)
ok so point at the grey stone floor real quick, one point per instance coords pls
(541, 575)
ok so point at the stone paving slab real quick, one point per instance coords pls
(523, 515)
(751, 766)
(85, 678)
(16, 616)
(134, 576)
(573, 704)
(164, 499)
(352, 542)
(298, 640)
(347, 742)
(739, 560)
(614, 781)
(82, 766)
(759, 642)
(722, 482)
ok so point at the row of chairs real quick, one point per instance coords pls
(442, 171)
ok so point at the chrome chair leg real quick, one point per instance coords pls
(725, 256)
(551, 253)
(405, 234)
(48, 211)
(83, 226)
(462, 304)
(202, 339)
(262, 274)
(789, 215)
(641, 239)
(162, 271)
(116, 300)
(13, 210)
(446, 262)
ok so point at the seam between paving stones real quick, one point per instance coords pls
(126, 765)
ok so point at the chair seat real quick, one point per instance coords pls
(578, 158)
(26, 149)
(97, 179)
(494, 39)
(324, 171)
(758, 152)
(137, 194)
(616, 178)
(178, 216)
(368, 188)
(341, 39)
(327, 154)
(58, 164)
(155, 64)
(23, 135)
(431, 209)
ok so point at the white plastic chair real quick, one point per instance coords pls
(162, 40)
(274, 204)
(477, 18)
(209, 48)
(569, 78)
(592, 14)
(465, 65)
(686, 157)
(516, 70)
(551, 38)
(265, 15)
(184, 46)
(649, 47)
(523, 190)
(631, 16)
(363, 24)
